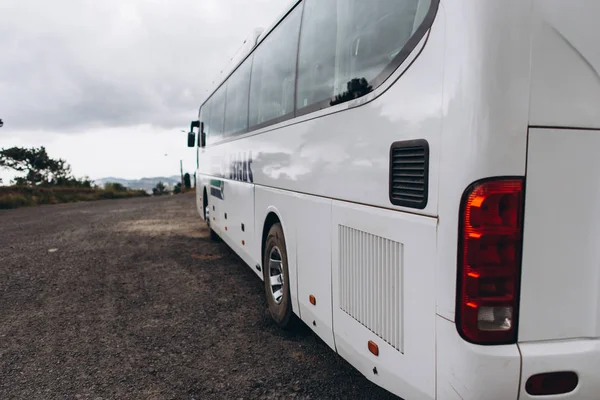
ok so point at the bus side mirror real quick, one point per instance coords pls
(191, 139)
(202, 136)
(192, 134)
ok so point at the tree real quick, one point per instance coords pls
(38, 167)
(160, 189)
(177, 188)
(187, 181)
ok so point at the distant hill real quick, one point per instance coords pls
(141, 184)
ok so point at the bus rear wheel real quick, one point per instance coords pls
(276, 275)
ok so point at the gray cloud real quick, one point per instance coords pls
(70, 65)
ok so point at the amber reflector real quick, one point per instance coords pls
(312, 300)
(373, 348)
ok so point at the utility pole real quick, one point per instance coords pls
(182, 183)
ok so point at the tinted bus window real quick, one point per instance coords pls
(217, 115)
(274, 73)
(347, 45)
(316, 63)
(236, 110)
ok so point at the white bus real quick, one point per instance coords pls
(418, 181)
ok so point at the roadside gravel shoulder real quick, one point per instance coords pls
(129, 299)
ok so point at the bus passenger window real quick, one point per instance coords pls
(346, 46)
(274, 73)
(217, 115)
(316, 62)
(236, 110)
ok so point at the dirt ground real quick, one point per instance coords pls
(128, 299)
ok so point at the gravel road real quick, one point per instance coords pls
(128, 299)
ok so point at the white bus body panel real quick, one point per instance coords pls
(313, 222)
(486, 111)
(238, 228)
(565, 84)
(560, 296)
(383, 291)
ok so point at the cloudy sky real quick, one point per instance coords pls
(109, 85)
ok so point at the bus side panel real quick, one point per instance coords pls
(486, 100)
(283, 205)
(237, 215)
(215, 205)
(565, 81)
(384, 292)
(314, 265)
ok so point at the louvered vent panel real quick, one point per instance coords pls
(409, 173)
(371, 282)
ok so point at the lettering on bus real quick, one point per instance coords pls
(217, 188)
(240, 167)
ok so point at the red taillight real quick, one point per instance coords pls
(489, 261)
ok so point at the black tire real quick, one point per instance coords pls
(281, 311)
(213, 236)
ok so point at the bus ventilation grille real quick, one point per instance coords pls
(409, 173)
(371, 270)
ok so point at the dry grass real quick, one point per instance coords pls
(23, 196)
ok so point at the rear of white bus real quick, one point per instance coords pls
(524, 320)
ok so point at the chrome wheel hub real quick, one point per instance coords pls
(276, 278)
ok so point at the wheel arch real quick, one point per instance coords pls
(271, 219)
(204, 201)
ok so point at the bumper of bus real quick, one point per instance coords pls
(472, 372)
(581, 356)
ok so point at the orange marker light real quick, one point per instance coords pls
(225, 228)
(373, 348)
(243, 242)
(312, 299)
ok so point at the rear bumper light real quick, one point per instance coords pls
(552, 383)
(489, 261)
